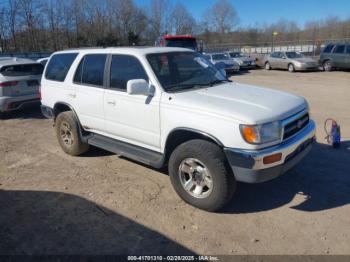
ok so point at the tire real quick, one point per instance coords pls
(291, 68)
(267, 66)
(208, 166)
(327, 66)
(67, 132)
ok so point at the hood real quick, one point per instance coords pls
(226, 61)
(244, 103)
(244, 59)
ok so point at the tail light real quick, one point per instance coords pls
(10, 83)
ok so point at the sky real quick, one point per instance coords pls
(270, 11)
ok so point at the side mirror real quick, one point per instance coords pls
(138, 87)
(221, 67)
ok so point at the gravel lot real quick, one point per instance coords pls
(99, 203)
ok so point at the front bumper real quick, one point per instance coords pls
(231, 69)
(248, 66)
(9, 103)
(306, 67)
(248, 166)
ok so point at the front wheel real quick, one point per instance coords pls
(327, 66)
(200, 175)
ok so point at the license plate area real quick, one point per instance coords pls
(32, 83)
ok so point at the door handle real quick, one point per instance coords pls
(111, 103)
(72, 95)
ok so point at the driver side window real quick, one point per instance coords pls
(123, 69)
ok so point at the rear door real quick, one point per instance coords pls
(89, 83)
(347, 57)
(274, 59)
(339, 56)
(23, 79)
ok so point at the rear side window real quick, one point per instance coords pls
(59, 65)
(339, 49)
(328, 49)
(125, 68)
(91, 70)
(348, 49)
(22, 70)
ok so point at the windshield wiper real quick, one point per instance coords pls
(177, 87)
(217, 81)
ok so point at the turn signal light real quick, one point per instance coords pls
(272, 158)
(250, 134)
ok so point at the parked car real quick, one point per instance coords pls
(19, 83)
(336, 55)
(230, 65)
(169, 107)
(292, 61)
(43, 61)
(244, 62)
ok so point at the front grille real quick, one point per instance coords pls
(299, 149)
(295, 126)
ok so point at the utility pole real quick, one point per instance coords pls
(275, 33)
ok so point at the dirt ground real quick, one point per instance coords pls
(99, 203)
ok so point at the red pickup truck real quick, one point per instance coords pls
(185, 41)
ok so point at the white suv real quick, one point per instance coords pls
(170, 106)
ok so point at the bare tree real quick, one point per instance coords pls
(221, 17)
(12, 20)
(181, 22)
(158, 18)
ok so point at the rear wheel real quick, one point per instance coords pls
(327, 66)
(291, 68)
(67, 132)
(200, 175)
(267, 66)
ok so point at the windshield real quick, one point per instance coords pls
(182, 42)
(294, 55)
(184, 70)
(22, 70)
(232, 54)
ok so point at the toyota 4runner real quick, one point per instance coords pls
(170, 106)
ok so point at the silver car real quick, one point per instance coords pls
(292, 61)
(19, 83)
(230, 65)
(245, 62)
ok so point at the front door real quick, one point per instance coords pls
(131, 118)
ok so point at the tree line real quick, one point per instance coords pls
(49, 25)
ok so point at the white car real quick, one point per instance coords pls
(171, 106)
(19, 83)
(43, 61)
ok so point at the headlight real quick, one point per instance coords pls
(261, 134)
(299, 63)
(240, 62)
